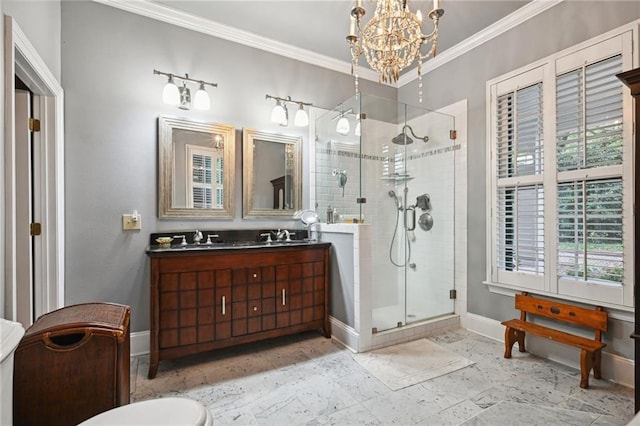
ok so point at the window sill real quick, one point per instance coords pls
(617, 312)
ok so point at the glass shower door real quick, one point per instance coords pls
(429, 271)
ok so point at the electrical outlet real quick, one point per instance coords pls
(129, 224)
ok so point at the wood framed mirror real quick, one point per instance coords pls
(271, 174)
(195, 169)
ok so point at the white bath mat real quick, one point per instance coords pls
(409, 363)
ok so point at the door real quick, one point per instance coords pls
(24, 209)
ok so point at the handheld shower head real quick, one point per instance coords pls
(393, 195)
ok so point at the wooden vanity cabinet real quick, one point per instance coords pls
(206, 300)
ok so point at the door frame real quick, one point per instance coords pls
(22, 59)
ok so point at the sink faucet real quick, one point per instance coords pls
(197, 237)
(209, 238)
(284, 234)
(281, 234)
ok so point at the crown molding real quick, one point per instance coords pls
(206, 26)
(510, 21)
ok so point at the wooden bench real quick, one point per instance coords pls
(596, 319)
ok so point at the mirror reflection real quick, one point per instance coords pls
(194, 179)
(271, 174)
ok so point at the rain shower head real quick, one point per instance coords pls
(404, 139)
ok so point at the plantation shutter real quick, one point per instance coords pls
(590, 202)
(519, 196)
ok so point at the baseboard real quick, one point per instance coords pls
(139, 343)
(339, 331)
(614, 367)
(344, 334)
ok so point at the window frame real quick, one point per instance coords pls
(618, 41)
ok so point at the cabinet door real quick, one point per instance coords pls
(301, 288)
(206, 306)
(178, 309)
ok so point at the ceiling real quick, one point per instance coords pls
(320, 26)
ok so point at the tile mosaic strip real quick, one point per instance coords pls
(341, 153)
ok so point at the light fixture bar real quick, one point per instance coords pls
(288, 100)
(184, 78)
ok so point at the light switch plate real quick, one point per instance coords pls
(128, 224)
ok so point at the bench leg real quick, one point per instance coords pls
(512, 336)
(587, 362)
(597, 360)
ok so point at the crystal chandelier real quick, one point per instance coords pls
(392, 40)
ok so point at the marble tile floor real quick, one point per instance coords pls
(309, 380)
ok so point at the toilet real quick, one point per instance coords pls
(162, 411)
(10, 335)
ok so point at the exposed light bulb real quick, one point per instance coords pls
(302, 119)
(343, 127)
(201, 99)
(171, 93)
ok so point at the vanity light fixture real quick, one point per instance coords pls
(280, 114)
(302, 118)
(181, 97)
(342, 126)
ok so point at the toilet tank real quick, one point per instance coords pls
(10, 335)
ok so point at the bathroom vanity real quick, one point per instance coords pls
(206, 297)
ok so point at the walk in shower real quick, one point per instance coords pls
(391, 166)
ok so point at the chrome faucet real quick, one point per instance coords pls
(209, 238)
(284, 234)
(197, 237)
(184, 239)
(281, 234)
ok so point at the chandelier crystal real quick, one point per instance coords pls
(392, 39)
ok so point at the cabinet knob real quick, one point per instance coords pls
(255, 308)
(255, 275)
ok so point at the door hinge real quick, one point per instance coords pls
(34, 125)
(35, 229)
(453, 294)
(453, 134)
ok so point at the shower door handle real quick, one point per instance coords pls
(413, 218)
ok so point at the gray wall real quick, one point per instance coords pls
(40, 21)
(112, 101)
(560, 27)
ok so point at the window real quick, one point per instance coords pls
(561, 204)
(201, 185)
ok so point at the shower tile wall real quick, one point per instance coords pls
(338, 156)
